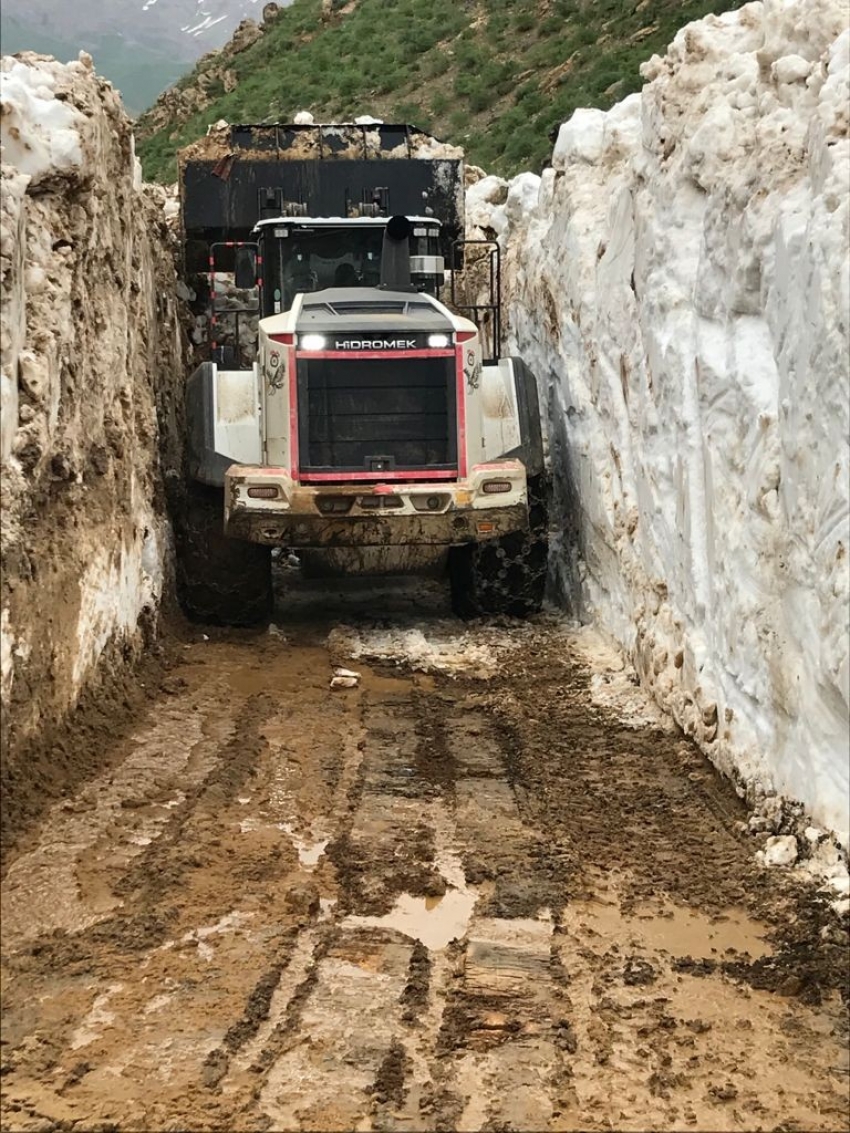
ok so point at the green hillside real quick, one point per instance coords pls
(495, 76)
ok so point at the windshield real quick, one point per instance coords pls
(321, 258)
(303, 259)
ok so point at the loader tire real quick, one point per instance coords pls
(505, 575)
(220, 581)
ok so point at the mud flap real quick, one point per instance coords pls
(530, 449)
(223, 416)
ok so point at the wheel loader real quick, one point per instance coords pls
(352, 406)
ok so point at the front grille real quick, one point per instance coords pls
(377, 414)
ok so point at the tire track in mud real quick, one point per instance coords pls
(337, 1037)
(524, 1019)
(179, 893)
(423, 903)
(384, 997)
(502, 1010)
(265, 1033)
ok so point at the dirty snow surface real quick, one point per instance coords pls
(90, 365)
(448, 648)
(679, 281)
(481, 888)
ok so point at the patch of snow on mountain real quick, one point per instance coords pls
(680, 282)
(206, 22)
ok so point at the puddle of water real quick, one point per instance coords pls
(308, 852)
(435, 921)
(309, 855)
(449, 865)
(670, 928)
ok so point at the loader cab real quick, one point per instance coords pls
(300, 255)
(288, 256)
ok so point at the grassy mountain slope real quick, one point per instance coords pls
(493, 76)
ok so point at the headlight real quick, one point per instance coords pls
(313, 342)
(438, 341)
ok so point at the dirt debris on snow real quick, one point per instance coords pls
(448, 647)
(91, 385)
(429, 901)
(694, 378)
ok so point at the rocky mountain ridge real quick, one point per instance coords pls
(141, 46)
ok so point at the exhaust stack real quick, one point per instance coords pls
(395, 255)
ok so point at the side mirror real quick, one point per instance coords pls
(246, 268)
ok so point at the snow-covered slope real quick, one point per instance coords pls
(90, 390)
(680, 282)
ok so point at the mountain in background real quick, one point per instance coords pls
(496, 77)
(141, 46)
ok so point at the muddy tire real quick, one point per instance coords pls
(220, 581)
(506, 575)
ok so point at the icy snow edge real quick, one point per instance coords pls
(679, 281)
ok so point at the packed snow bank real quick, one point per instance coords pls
(679, 281)
(41, 134)
(91, 365)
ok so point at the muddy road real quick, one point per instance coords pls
(483, 889)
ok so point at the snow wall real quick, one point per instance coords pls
(679, 280)
(91, 374)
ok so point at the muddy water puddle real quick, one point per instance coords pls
(434, 921)
(309, 851)
(664, 927)
(432, 901)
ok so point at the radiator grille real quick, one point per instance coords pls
(377, 415)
